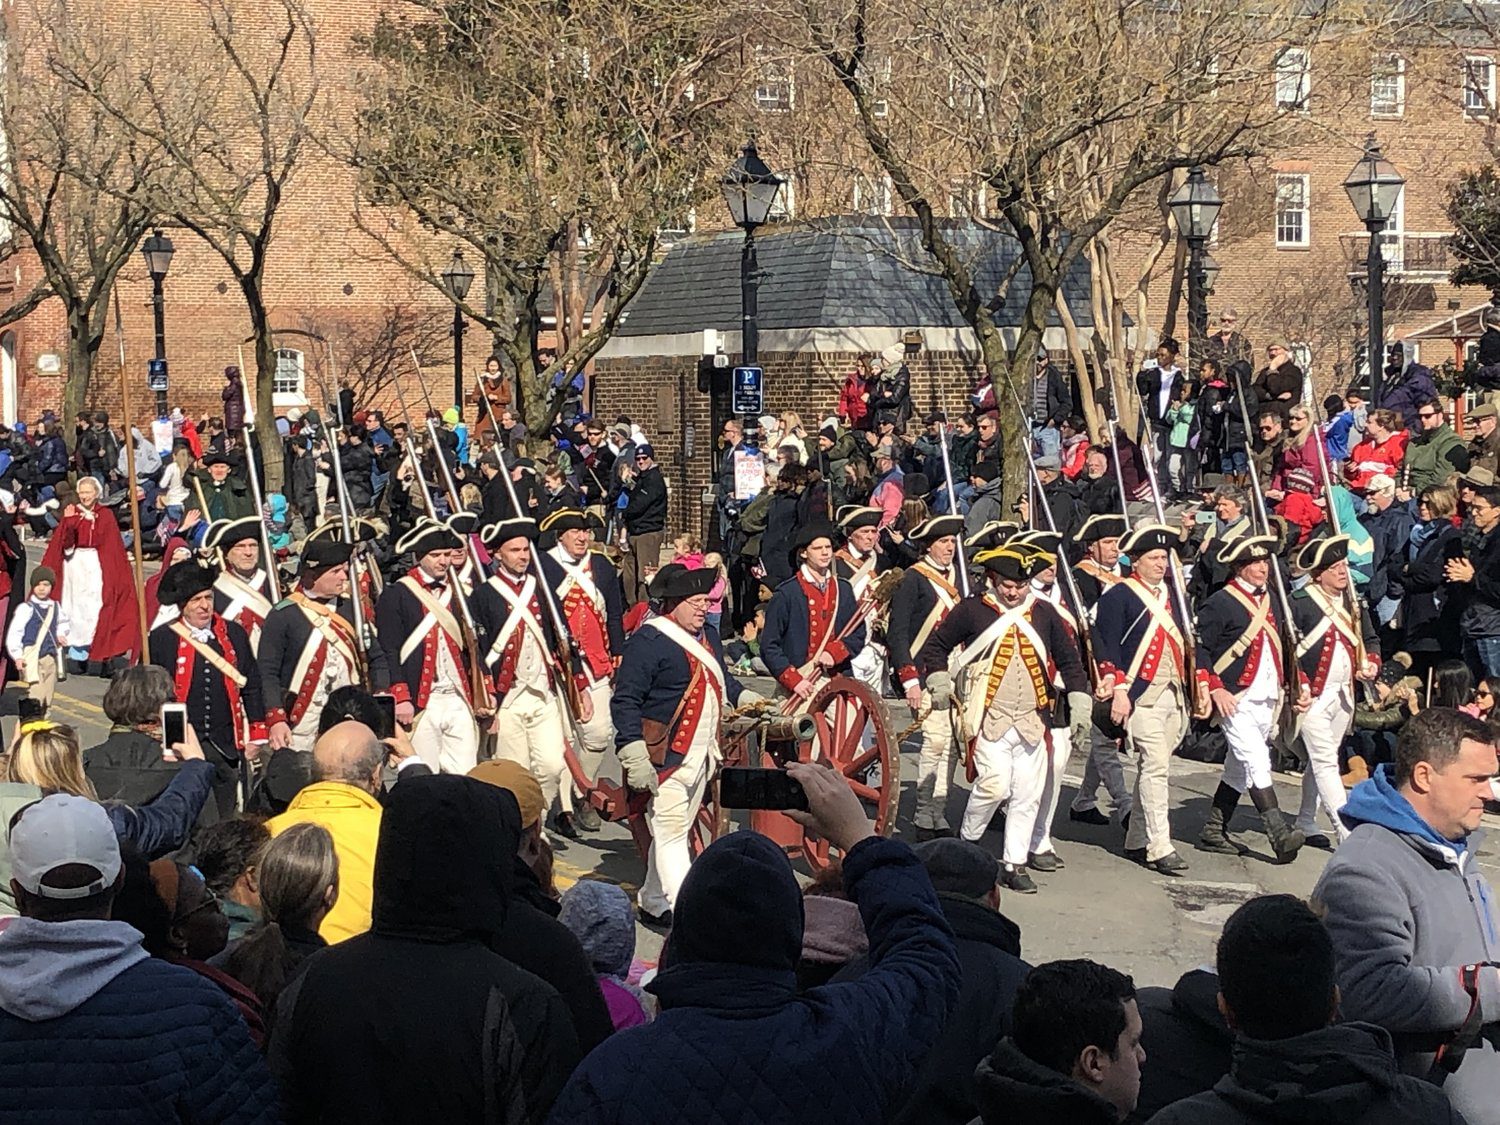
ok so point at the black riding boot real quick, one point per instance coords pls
(1215, 835)
(1285, 838)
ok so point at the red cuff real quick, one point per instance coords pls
(837, 650)
(401, 692)
(790, 679)
(907, 674)
(258, 732)
(1108, 669)
(1211, 679)
(276, 715)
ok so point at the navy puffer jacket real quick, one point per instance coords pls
(735, 1044)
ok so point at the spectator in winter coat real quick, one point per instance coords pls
(1429, 610)
(1279, 383)
(479, 1039)
(1075, 447)
(1484, 446)
(234, 400)
(890, 396)
(99, 1027)
(854, 397)
(1299, 452)
(735, 1042)
(1381, 451)
(987, 504)
(1186, 1041)
(602, 917)
(1408, 384)
(1434, 452)
(1389, 525)
(1407, 906)
(1291, 1061)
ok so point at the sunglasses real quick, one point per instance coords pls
(1484, 693)
(1427, 414)
(1266, 429)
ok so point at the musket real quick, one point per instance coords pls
(135, 507)
(361, 628)
(255, 490)
(963, 569)
(479, 683)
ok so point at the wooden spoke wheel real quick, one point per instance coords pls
(710, 822)
(845, 710)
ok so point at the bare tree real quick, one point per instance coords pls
(372, 352)
(554, 167)
(74, 188)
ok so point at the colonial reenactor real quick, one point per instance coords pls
(1240, 653)
(592, 602)
(1043, 552)
(213, 673)
(928, 592)
(463, 568)
(220, 495)
(1139, 644)
(1013, 647)
(419, 625)
(670, 692)
(309, 647)
(242, 590)
(1097, 571)
(519, 651)
(1332, 652)
(811, 630)
(363, 567)
(856, 562)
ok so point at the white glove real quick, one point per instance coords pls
(940, 685)
(750, 698)
(640, 774)
(1080, 718)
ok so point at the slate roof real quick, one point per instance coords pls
(842, 273)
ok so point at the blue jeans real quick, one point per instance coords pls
(1235, 461)
(1046, 441)
(1483, 655)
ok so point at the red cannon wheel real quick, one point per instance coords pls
(843, 709)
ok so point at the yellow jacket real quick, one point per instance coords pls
(352, 817)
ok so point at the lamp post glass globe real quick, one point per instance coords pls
(1374, 187)
(1195, 206)
(158, 251)
(750, 189)
(458, 276)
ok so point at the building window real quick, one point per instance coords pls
(1291, 209)
(785, 205)
(876, 74)
(1479, 86)
(966, 198)
(1388, 87)
(1293, 80)
(288, 382)
(874, 197)
(773, 91)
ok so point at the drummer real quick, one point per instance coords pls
(811, 632)
(670, 691)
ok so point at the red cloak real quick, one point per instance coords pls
(118, 630)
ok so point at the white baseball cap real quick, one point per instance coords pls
(1380, 482)
(59, 830)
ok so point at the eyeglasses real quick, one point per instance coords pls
(986, 425)
(1427, 414)
(1484, 693)
(1266, 429)
(210, 901)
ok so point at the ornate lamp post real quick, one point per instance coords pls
(158, 251)
(1374, 187)
(458, 277)
(1195, 207)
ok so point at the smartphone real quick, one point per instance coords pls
(29, 709)
(387, 705)
(173, 725)
(741, 788)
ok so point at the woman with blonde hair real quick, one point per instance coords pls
(298, 875)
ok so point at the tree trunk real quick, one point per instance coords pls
(265, 372)
(78, 387)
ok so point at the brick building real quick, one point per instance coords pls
(829, 292)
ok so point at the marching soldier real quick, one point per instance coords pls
(310, 649)
(928, 592)
(591, 600)
(811, 630)
(519, 648)
(856, 562)
(1140, 646)
(241, 591)
(1333, 651)
(670, 692)
(419, 625)
(213, 672)
(1013, 647)
(1240, 653)
(1097, 571)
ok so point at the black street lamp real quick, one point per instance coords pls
(1195, 208)
(158, 251)
(458, 277)
(1374, 187)
(750, 189)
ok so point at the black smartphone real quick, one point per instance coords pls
(387, 705)
(29, 709)
(741, 788)
(173, 724)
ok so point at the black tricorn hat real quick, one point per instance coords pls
(324, 553)
(503, 531)
(1006, 563)
(675, 581)
(183, 581)
(426, 536)
(809, 533)
(565, 519)
(226, 533)
(1320, 554)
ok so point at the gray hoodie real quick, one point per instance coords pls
(48, 969)
(1407, 910)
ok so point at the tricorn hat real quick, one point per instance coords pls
(990, 535)
(1245, 549)
(324, 553)
(675, 581)
(1100, 527)
(1320, 554)
(1006, 563)
(1048, 541)
(565, 519)
(428, 535)
(1150, 537)
(364, 530)
(852, 517)
(809, 533)
(503, 531)
(183, 581)
(937, 527)
(224, 534)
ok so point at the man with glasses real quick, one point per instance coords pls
(1484, 447)
(1270, 440)
(1227, 345)
(991, 446)
(645, 519)
(1476, 575)
(1434, 453)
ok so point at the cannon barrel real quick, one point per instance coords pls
(778, 728)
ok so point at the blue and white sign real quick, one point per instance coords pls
(749, 393)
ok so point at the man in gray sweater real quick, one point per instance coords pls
(1413, 921)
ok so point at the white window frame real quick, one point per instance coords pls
(784, 209)
(877, 72)
(1470, 87)
(873, 197)
(1388, 69)
(967, 197)
(280, 395)
(1293, 79)
(772, 76)
(1283, 180)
